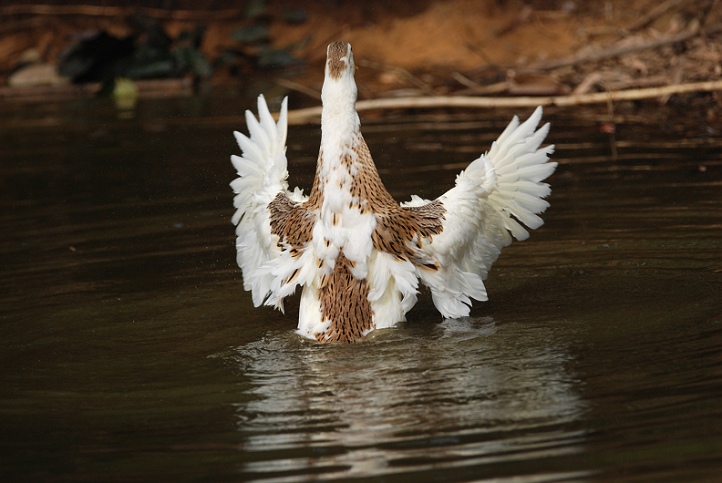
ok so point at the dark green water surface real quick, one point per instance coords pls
(129, 350)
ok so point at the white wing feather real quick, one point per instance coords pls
(493, 199)
(262, 174)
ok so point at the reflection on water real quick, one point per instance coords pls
(129, 350)
(474, 392)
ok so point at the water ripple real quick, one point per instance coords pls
(463, 393)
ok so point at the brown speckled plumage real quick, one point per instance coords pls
(367, 184)
(315, 198)
(400, 231)
(396, 226)
(336, 66)
(344, 302)
(292, 222)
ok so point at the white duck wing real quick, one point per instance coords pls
(493, 200)
(262, 177)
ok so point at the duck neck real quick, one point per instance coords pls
(339, 120)
(340, 134)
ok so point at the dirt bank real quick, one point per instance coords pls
(424, 47)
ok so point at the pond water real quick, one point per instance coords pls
(130, 351)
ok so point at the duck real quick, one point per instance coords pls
(358, 255)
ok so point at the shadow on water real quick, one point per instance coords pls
(130, 351)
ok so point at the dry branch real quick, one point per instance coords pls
(313, 114)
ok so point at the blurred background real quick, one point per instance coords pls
(424, 47)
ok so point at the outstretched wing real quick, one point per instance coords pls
(494, 198)
(262, 180)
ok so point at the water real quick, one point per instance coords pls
(130, 351)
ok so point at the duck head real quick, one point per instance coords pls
(339, 86)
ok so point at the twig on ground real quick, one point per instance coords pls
(295, 86)
(587, 83)
(402, 73)
(475, 88)
(496, 88)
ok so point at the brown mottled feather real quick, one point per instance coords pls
(396, 226)
(344, 301)
(399, 231)
(292, 222)
(336, 66)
